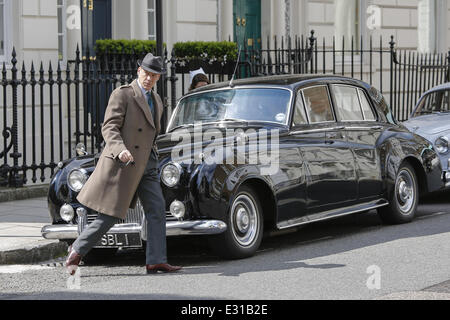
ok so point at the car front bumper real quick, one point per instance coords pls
(173, 228)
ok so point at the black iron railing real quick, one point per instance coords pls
(46, 112)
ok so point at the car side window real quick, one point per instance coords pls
(347, 103)
(433, 102)
(317, 104)
(299, 111)
(365, 106)
(445, 106)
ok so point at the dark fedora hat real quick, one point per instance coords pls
(152, 63)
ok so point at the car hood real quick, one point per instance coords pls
(166, 142)
(429, 124)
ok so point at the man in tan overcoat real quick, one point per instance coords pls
(127, 168)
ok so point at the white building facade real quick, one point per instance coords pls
(51, 29)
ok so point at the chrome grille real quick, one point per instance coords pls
(135, 215)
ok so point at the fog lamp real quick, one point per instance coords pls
(177, 209)
(66, 212)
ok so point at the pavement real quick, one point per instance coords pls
(23, 248)
(22, 216)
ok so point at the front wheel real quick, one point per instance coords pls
(244, 227)
(403, 201)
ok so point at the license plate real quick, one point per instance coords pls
(123, 240)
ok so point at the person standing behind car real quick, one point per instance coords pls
(198, 79)
(131, 125)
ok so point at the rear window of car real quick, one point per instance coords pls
(352, 104)
(347, 103)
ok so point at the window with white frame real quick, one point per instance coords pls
(348, 23)
(61, 7)
(2, 26)
(151, 17)
(5, 29)
(432, 25)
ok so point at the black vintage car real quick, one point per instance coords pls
(267, 153)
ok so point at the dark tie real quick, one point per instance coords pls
(150, 103)
(152, 110)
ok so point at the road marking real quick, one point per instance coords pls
(197, 267)
(433, 215)
(21, 268)
(315, 240)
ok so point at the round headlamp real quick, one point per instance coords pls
(76, 180)
(441, 144)
(66, 212)
(171, 173)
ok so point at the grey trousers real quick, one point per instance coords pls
(150, 194)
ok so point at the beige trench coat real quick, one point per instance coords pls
(128, 124)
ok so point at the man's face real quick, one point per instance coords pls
(147, 79)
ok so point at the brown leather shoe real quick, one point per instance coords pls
(163, 267)
(72, 261)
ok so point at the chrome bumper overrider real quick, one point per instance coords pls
(173, 228)
(446, 178)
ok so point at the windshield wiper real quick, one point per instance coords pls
(186, 125)
(428, 112)
(233, 120)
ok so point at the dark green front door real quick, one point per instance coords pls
(247, 31)
(247, 23)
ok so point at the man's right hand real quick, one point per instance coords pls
(125, 156)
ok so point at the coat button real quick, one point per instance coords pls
(136, 147)
(140, 129)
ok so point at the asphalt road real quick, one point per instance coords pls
(354, 257)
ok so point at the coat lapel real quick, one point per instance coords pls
(142, 102)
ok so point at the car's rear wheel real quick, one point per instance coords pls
(244, 227)
(404, 199)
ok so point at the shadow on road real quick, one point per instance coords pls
(291, 251)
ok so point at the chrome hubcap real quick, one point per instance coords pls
(405, 191)
(244, 220)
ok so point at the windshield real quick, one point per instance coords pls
(434, 102)
(255, 104)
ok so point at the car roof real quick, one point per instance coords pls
(290, 80)
(444, 86)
